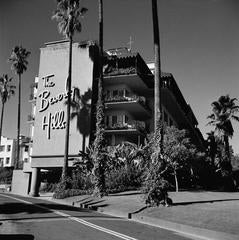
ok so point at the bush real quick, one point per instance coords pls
(70, 193)
(79, 184)
(124, 178)
(6, 175)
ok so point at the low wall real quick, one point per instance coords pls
(20, 182)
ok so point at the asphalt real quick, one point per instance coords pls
(210, 215)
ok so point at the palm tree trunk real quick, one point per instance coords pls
(227, 151)
(176, 180)
(157, 71)
(83, 142)
(65, 163)
(18, 122)
(3, 104)
(99, 163)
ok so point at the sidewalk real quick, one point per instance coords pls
(212, 215)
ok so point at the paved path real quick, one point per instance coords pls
(26, 218)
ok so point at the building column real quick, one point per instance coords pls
(35, 182)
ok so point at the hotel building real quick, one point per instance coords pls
(129, 103)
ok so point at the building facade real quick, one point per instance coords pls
(8, 151)
(129, 102)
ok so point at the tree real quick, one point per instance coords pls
(223, 112)
(157, 71)
(178, 151)
(68, 14)
(81, 111)
(99, 142)
(19, 62)
(6, 91)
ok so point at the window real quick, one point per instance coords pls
(121, 93)
(7, 160)
(107, 94)
(26, 148)
(107, 121)
(2, 148)
(126, 119)
(114, 120)
(115, 93)
(1, 162)
(8, 148)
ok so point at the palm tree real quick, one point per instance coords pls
(68, 14)
(157, 72)
(81, 111)
(98, 145)
(19, 62)
(224, 111)
(6, 91)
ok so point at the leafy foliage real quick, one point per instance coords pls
(68, 14)
(155, 186)
(5, 175)
(223, 112)
(6, 89)
(18, 59)
(123, 167)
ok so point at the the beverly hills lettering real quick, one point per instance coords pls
(51, 121)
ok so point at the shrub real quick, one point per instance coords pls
(6, 175)
(124, 178)
(70, 193)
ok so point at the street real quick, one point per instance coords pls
(26, 218)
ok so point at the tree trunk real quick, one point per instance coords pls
(83, 142)
(227, 150)
(3, 104)
(157, 73)
(99, 163)
(176, 180)
(18, 123)
(65, 163)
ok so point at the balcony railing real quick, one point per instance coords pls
(133, 125)
(140, 99)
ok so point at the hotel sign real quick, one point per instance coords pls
(50, 112)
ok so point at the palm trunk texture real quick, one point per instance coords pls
(1, 123)
(65, 163)
(157, 73)
(17, 161)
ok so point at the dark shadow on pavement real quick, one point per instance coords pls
(124, 194)
(206, 201)
(16, 237)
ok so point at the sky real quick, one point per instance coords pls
(199, 46)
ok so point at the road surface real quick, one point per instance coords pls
(23, 218)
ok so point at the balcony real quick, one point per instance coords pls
(129, 69)
(134, 104)
(30, 118)
(137, 127)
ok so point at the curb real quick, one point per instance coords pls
(198, 233)
(201, 233)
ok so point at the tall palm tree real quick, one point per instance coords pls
(81, 107)
(157, 72)
(224, 111)
(98, 145)
(19, 62)
(6, 91)
(68, 14)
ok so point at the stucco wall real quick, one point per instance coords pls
(50, 118)
(20, 182)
